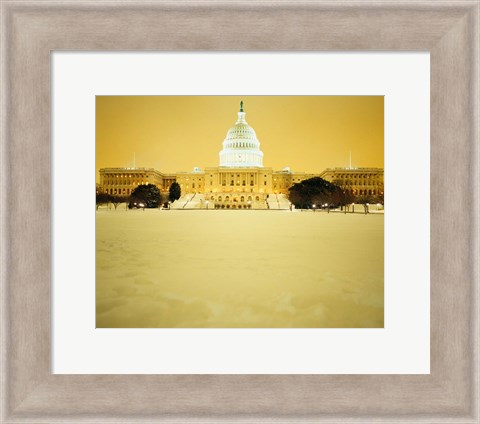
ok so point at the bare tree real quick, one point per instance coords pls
(102, 199)
(116, 200)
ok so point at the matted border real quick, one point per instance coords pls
(30, 30)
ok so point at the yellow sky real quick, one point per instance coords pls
(177, 133)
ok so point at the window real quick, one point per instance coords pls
(264, 183)
(243, 182)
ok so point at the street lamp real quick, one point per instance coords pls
(313, 206)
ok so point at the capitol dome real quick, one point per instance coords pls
(241, 147)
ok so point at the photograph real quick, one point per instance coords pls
(239, 211)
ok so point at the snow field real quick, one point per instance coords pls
(238, 268)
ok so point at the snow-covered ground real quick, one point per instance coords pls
(238, 268)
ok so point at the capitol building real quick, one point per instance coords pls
(240, 181)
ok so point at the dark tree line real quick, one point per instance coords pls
(317, 191)
(143, 196)
(115, 200)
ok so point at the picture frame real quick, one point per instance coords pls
(32, 30)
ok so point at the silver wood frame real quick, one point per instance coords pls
(30, 30)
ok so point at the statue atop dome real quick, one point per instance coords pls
(241, 106)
